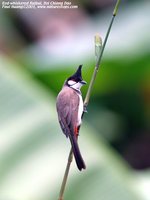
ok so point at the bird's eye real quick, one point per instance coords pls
(70, 82)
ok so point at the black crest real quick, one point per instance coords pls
(77, 76)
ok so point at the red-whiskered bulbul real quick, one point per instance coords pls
(70, 109)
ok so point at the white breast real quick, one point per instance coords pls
(80, 111)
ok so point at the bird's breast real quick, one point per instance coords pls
(80, 110)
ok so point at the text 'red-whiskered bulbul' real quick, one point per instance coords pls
(70, 109)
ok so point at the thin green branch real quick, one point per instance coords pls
(70, 157)
(86, 101)
(98, 49)
(97, 65)
(116, 8)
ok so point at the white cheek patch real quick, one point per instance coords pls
(76, 86)
(71, 82)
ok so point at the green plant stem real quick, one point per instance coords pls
(66, 175)
(97, 65)
(86, 101)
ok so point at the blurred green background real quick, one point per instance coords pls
(40, 48)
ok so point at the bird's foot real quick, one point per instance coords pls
(85, 109)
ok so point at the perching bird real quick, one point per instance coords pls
(70, 109)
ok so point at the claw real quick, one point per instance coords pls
(85, 109)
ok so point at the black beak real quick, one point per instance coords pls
(83, 82)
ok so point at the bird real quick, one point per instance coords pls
(69, 105)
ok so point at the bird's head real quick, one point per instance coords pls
(75, 81)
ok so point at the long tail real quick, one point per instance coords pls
(78, 158)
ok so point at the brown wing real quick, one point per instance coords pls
(67, 108)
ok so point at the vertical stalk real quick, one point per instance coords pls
(98, 49)
(62, 189)
(97, 65)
